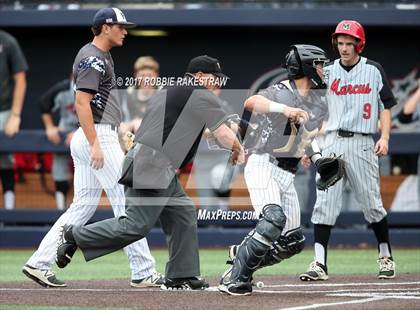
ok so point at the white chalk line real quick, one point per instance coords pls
(314, 306)
(343, 284)
(211, 289)
(396, 293)
(333, 291)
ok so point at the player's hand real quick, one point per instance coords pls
(68, 138)
(238, 157)
(381, 147)
(135, 124)
(12, 126)
(296, 115)
(305, 161)
(207, 133)
(53, 134)
(96, 156)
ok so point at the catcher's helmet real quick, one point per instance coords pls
(302, 60)
(350, 28)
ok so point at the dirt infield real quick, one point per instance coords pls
(285, 292)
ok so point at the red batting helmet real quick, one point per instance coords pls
(350, 28)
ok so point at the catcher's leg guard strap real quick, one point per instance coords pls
(285, 247)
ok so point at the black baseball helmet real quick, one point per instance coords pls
(302, 60)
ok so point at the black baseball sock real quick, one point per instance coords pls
(7, 180)
(322, 236)
(62, 186)
(61, 189)
(382, 236)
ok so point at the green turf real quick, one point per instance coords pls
(115, 266)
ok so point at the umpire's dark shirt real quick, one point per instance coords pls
(176, 119)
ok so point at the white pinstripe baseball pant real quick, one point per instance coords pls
(88, 186)
(362, 173)
(269, 184)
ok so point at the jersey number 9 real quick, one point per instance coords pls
(367, 109)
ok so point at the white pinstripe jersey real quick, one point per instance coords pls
(356, 97)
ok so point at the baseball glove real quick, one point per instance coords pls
(331, 170)
(127, 141)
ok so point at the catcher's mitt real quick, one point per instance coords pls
(331, 170)
(127, 141)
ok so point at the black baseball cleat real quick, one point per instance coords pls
(236, 288)
(66, 246)
(192, 283)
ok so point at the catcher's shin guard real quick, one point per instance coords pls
(254, 248)
(250, 255)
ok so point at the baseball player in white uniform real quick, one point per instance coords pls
(96, 152)
(358, 96)
(276, 151)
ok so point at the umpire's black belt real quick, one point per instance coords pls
(348, 134)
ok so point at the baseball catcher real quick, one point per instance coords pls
(286, 117)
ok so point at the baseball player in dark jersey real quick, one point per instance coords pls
(13, 69)
(96, 153)
(60, 97)
(358, 96)
(291, 113)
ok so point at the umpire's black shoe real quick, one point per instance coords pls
(66, 246)
(236, 288)
(192, 283)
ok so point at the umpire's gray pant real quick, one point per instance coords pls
(178, 218)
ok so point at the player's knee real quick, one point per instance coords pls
(291, 244)
(272, 222)
(131, 226)
(284, 248)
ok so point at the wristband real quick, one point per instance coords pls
(276, 107)
(315, 157)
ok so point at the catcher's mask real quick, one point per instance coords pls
(302, 60)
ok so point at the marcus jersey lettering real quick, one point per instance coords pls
(355, 98)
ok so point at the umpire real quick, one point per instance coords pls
(166, 140)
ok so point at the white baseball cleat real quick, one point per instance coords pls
(316, 272)
(44, 277)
